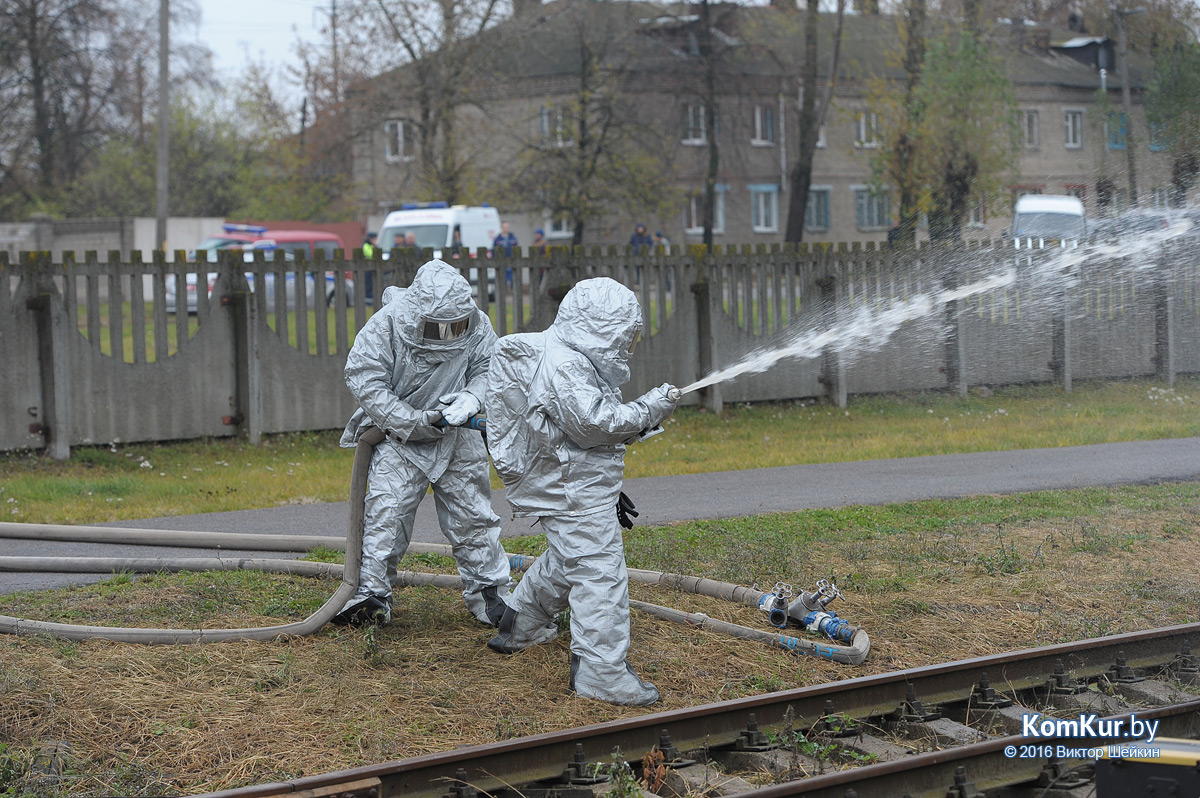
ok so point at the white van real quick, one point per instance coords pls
(1058, 216)
(434, 225)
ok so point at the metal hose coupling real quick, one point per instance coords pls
(810, 601)
(828, 624)
(775, 604)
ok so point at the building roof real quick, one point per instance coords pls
(654, 40)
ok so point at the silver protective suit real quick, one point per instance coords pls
(556, 431)
(399, 377)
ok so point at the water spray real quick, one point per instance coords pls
(862, 328)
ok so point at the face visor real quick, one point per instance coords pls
(435, 330)
(637, 336)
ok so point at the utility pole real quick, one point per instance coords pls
(333, 23)
(1123, 66)
(164, 123)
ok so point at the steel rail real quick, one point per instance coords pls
(545, 756)
(984, 764)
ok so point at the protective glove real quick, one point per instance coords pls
(660, 402)
(460, 406)
(624, 510)
(427, 429)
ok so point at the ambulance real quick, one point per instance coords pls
(434, 225)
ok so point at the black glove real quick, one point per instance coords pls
(624, 510)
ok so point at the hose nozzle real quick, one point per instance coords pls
(674, 393)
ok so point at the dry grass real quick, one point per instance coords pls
(186, 719)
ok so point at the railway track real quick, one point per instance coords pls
(955, 730)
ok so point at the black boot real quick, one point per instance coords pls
(371, 610)
(494, 605)
(503, 641)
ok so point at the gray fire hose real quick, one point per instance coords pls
(853, 654)
(349, 586)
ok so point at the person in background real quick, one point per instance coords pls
(661, 240)
(368, 251)
(422, 360)
(640, 238)
(557, 430)
(505, 241)
(539, 241)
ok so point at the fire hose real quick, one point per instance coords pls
(848, 644)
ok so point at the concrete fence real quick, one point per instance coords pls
(96, 352)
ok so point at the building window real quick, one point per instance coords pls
(1158, 137)
(1029, 129)
(872, 209)
(1073, 124)
(554, 127)
(866, 135)
(816, 212)
(764, 207)
(693, 221)
(693, 124)
(1160, 198)
(557, 225)
(399, 142)
(764, 125)
(1114, 131)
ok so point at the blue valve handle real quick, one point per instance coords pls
(474, 422)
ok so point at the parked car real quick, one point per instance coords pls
(1057, 216)
(294, 241)
(270, 251)
(435, 225)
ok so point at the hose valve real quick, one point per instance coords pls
(811, 601)
(775, 604)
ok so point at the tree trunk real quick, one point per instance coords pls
(710, 121)
(801, 176)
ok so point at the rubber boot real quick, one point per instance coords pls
(494, 604)
(513, 633)
(364, 611)
(623, 687)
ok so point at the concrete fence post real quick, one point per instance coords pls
(706, 310)
(1164, 327)
(955, 351)
(833, 306)
(47, 304)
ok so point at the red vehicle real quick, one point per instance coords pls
(289, 244)
(294, 241)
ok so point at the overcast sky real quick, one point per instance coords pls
(238, 30)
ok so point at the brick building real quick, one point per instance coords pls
(519, 99)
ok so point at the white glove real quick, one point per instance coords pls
(427, 429)
(660, 402)
(461, 406)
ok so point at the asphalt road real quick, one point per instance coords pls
(724, 494)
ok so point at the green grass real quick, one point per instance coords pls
(125, 481)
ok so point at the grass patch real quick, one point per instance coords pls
(122, 481)
(930, 581)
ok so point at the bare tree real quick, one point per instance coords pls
(439, 43)
(591, 153)
(812, 115)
